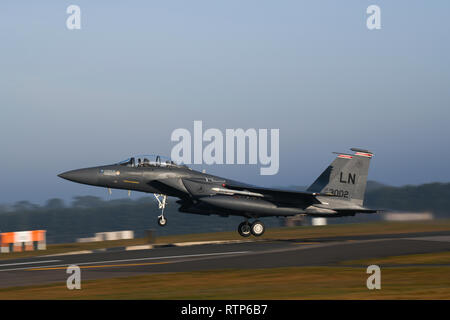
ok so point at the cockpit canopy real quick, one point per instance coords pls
(149, 160)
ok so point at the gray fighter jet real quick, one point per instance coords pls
(337, 192)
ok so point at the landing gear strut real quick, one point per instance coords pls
(256, 228)
(162, 202)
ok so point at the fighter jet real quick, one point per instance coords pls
(337, 192)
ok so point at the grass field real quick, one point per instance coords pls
(413, 259)
(277, 283)
(274, 233)
(426, 279)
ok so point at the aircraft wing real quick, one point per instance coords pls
(278, 195)
(296, 198)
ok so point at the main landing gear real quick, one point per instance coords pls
(162, 203)
(256, 228)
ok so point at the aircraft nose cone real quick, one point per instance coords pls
(65, 175)
(85, 176)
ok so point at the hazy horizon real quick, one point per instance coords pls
(104, 195)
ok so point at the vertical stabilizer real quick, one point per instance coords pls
(345, 177)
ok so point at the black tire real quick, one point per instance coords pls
(257, 228)
(244, 229)
(162, 221)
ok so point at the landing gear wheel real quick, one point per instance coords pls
(244, 229)
(257, 228)
(162, 221)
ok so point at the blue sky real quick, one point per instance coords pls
(137, 71)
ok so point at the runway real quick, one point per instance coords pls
(246, 255)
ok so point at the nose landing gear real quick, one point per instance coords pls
(162, 221)
(162, 202)
(256, 228)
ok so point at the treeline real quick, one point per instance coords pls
(433, 197)
(87, 215)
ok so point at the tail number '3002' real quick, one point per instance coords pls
(338, 193)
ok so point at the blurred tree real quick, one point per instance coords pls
(24, 206)
(87, 202)
(55, 203)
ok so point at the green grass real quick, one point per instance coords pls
(271, 234)
(424, 258)
(276, 283)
